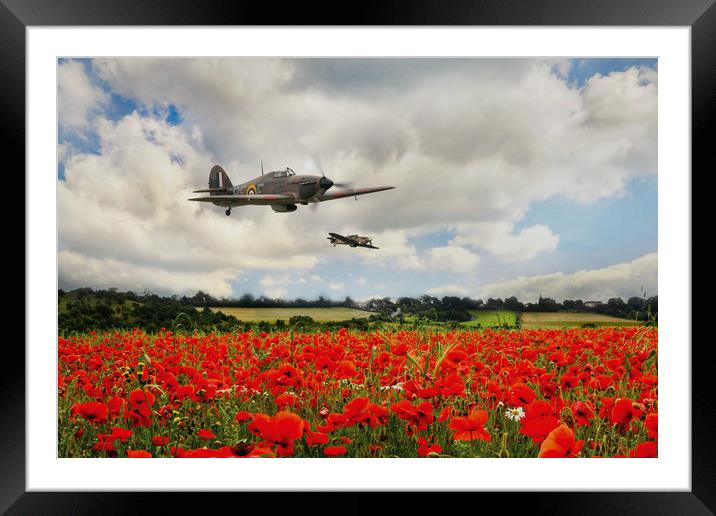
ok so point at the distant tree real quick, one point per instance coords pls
(471, 304)
(380, 305)
(616, 307)
(547, 304)
(452, 303)
(247, 301)
(430, 301)
(407, 302)
(201, 299)
(512, 303)
(636, 303)
(495, 304)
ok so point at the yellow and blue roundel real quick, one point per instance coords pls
(251, 189)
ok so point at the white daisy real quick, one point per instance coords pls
(515, 414)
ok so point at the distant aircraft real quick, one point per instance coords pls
(281, 189)
(351, 240)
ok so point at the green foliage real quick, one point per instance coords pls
(86, 310)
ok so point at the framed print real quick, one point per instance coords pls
(479, 295)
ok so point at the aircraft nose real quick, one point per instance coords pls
(325, 183)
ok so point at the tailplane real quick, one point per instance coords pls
(219, 181)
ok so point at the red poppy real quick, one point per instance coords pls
(425, 448)
(314, 438)
(652, 425)
(206, 435)
(569, 382)
(560, 443)
(242, 415)
(623, 411)
(282, 428)
(582, 412)
(354, 407)
(141, 398)
(138, 454)
(285, 400)
(93, 411)
(105, 443)
(121, 433)
(645, 450)
(520, 395)
(454, 358)
(399, 350)
(334, 451)
(470, 427)
(539, 420)
(416, 416)
(159, 440)
(444, 414)
(207, 453)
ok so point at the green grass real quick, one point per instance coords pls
(486, 318)
(272, 314)
(536, 320)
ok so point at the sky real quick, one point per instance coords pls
(522, 177)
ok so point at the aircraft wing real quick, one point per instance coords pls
(246, 200)
(343, 239)
(350, 241)
(352, 193)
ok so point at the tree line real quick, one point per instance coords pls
(86, 308)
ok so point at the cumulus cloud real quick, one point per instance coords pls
(129, 204)
(621, 280)
(470, 144)
(449, 290)
(498, 238)
(77, 97)
(77, 270)
(453, 258)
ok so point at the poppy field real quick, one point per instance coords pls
(577, 393)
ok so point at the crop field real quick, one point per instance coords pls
(576, 393)
(490, 318)
(273, 314)
(537, 320)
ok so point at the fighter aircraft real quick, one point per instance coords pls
(351, 240)
(281, 189)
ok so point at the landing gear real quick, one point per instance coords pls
(228, 211)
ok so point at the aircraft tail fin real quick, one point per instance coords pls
(219, 180)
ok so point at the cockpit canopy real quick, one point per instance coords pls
(283, 173)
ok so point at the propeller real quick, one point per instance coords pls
(325, 182)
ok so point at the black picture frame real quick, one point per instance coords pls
(700, 15)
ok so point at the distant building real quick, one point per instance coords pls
(592, 304)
